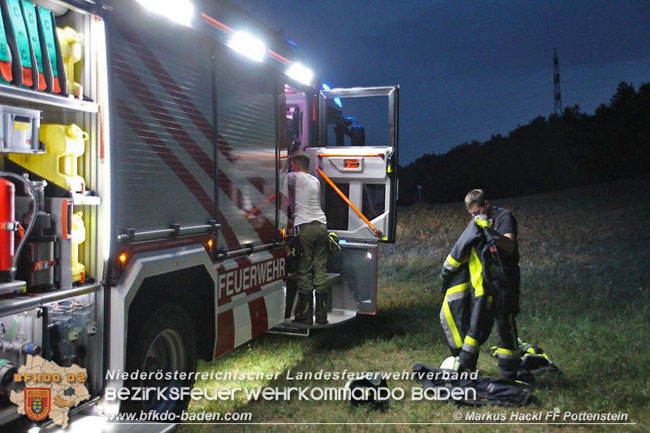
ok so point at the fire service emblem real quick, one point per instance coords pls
(37, 403)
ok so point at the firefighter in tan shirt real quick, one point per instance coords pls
(310, 225)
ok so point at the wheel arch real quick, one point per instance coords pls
(155, 277)
(192, 289)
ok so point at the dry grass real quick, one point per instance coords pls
(585, 286)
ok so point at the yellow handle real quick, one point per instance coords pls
(74, 131)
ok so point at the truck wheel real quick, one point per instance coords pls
(165, 342)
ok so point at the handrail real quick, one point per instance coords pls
(134, 236)
(245, 251)
(349, 203)
(336, 155)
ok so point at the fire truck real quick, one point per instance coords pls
(143, 151)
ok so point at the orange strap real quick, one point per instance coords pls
(349, 203)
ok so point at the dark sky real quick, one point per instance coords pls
(468, 69)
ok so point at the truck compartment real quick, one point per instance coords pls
(52, 136)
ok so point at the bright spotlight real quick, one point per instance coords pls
(179, 11)
(246, 44)
(300, 73)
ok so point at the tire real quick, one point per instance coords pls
(163, 341)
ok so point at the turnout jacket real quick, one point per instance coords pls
(473, 280)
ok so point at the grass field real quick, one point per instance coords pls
(585, 260)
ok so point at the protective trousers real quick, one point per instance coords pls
(312, 268)
(507, 308)
(473, 302)
(466, 317)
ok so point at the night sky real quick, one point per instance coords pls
(468, 69)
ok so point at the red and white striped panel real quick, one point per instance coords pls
(164, 146)
(250, 297)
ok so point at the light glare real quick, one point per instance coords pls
(300, 73)
(248, 45)
(179, 11)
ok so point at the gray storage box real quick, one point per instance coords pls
(19, 130)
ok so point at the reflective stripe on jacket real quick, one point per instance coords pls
(466, 314)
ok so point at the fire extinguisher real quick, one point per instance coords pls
(8, 225)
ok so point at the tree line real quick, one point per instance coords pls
(548, 153)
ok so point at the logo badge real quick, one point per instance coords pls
(37, 403)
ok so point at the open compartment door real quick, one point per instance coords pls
(357, 161)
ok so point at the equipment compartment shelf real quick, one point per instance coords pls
(17, 304)
(37, 99)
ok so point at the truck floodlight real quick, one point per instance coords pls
(300, 73)
(179, 11)
(248, 45)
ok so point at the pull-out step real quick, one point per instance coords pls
(286, 328)
(335, 317)
(333, 279)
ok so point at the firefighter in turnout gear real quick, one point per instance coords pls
(480, 283)
(310, 227)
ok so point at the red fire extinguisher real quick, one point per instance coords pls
(7, 226)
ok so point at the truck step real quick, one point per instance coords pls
(333, 278)
(285, 329)
(336, 317)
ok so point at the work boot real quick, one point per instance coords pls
(321, 308)
(508, 367)
(526, 377)
(305, 309)
(467, 361)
